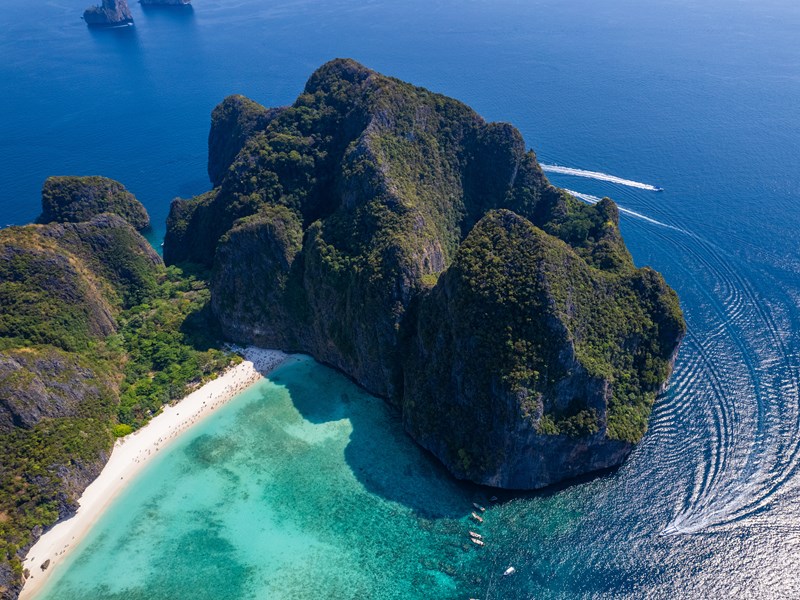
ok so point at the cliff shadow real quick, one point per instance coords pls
(201, 329)
(380, 454)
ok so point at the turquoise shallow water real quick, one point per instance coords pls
(699, 98)
(303, 487)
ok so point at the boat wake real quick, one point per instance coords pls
(600, 177)
(590, 199)
(732, 416)
(730, 420)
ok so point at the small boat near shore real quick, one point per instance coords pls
(509, 571)
(478, 536)
(477, 541)
(477, 517)
(478, 507)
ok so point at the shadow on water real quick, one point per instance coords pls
(118, 38)
(382, 457)
(181, 13)
(121, 46)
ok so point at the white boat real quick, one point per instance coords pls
(475, 535)
(477, 541)
(509, 571)
(477, 517)
(479, 507)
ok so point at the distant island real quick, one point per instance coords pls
(386, 230)
(111, 13)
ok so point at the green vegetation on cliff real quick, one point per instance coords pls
(386, 230)
(357, 225)
(78, 199)
(95, 336)
(523, 334)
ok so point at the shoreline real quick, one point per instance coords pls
(133, 452)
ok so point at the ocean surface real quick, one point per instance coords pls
(306, 487)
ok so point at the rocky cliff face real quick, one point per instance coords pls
(79, 199)
(111, 13)
(525, 365)
(360, 225)
(46, 382)
(62, 286)
(233, 122)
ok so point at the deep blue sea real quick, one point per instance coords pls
(700, 98)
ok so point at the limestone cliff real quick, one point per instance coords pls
(111, 13)
(361, 225)
(77, 199)
(526, 366)
(95, 336)
(234, 121)
(62, 286)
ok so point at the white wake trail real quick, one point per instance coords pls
(600, 177)
(588, 198)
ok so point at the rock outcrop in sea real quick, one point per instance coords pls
(392, 233)
(111, 13)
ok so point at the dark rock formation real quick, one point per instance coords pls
(78, 199)
(522, 350)
(37, 383)
(235, 120)
(543, 353)
(111, 13)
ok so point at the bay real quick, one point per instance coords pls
(699, 99)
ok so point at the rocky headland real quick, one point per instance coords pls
(77, 199)
(95, 335)
(392, 233)
(384, 229)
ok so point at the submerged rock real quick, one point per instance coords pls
(111, 13)
(392, 233)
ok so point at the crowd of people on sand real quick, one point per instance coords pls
(244, 376)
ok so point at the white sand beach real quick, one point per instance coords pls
(133, 452)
